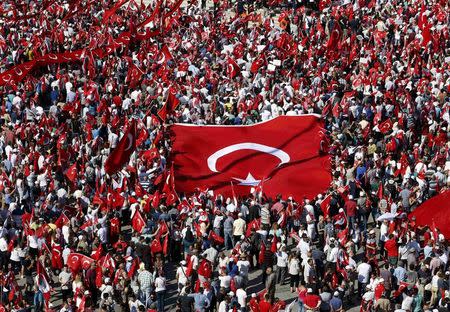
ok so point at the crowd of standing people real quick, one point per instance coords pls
(378, 72)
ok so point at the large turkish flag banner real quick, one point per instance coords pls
(281, 156)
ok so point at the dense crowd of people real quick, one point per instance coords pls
(378, 72)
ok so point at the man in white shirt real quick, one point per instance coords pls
(65, 278)
(210, 254)
(239, 226)
(282, 261)
(181, 275)
(364, 269)
(241, 296)
(244, 266)
(303, 247)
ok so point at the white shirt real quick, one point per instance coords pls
(160, 284)
(332, 255)
(364, 270)
(244, 266)
(33, 241)
(294, 267)
(3, 245)
(238, 227)
(181, 273)
(217, 221)
(282, 259)
(225, 281)
(241, 297)
(222, 306)
(304, 248)
(15, 255)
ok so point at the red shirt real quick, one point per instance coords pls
(264, 306)
(391, 247)
(311, 300)
(350, 207)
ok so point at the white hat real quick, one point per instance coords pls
(309, 290)
(231, 294)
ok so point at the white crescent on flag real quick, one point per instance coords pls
(281, 155)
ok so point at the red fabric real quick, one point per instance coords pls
(350, 208)
(385, 126)
(57, 262)
(325, 205)
(216, 238)
(155, 246)
(265, 306)
(254, 224)
(110, 12)
(311, 300)
(283, 151)
(261, 254)
(62, 220)
(165, 246)
(121, 154)
(258, 63)
(273, 246)
(391, 247)
(72, 173)
(436, 209)
(76, 261)
(171, 103)
(138, 222)
(233, 69)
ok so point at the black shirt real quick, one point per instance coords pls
(186, 303)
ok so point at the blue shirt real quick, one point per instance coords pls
(201, 302)
(336, 303)
(399, 274)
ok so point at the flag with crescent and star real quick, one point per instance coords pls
(283, 153)
(121, 154)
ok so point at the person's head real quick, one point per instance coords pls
(269, 270)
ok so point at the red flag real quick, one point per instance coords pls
(343, 236)
(273, 246)
(134, 267)
(254, 224)
(82, 306)
(385, 126)
(121, 154)
(189, 266)
(261, 253)
(233, 68)
(219, 240)
(142, 134)
(284, 151)
(171, 103)
(435, 213)
(155, 246)
(380, 192)
(62, 220)
(42, 281)
(77, 261)
(165, 55)
(165, 246)
(258, 63)
(134, 74)
(72, 173)
(325, 205)
(138, 222)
